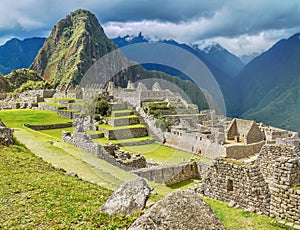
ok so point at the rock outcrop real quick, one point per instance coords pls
(128, 198)
(6, 135)
(179, 210)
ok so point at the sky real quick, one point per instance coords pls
(241, 26)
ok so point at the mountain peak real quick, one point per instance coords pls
(74, 44)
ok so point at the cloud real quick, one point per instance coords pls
(248, 24)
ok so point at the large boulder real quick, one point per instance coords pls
(179, 210)
(6, 135)
(128, 198)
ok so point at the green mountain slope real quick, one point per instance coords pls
(18, 77)
(4, 86)
(16, 54)
(269, 86)
(74, 44)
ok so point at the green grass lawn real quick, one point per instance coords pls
(104, 141)
(161, 153)
(237, 219)
(35, 195)
(57, 133)
(15, 118)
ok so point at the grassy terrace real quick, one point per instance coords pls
(104, 141)
(109, 127)
(122, 117)
(161, 153)
(15, 118)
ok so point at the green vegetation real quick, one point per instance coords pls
(15, 118)
(65, 58)
(35, 195)
(56, 133)
(161, 153)
(29, 85)
(236, 219)
(4, 86)
(104, 141)
(19, 77)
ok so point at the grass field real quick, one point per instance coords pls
(161, 153)
(235, 219)
(15, 118)
(104, 141)
(34, 195)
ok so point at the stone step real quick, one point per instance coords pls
(123, 121)
(121, 113)
(123, 132)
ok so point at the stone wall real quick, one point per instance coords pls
(65, 113)
(288, 142)
(82, 140)
(125, 133)
(150, 122)
(46, 106)
(243, 151)
(196, 143)
(123, 121)
(228, 180)
(170, 174)
(285, 195)
(44, 93)
(50, 126)
(267, 158)
(254, 135)
(246, 130)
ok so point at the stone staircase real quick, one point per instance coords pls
(123, 124)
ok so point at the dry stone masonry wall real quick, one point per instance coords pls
(170, 174)
(229, 180)
(285, 191)
(120, 159)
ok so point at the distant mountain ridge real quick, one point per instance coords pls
(269, 86)
(16, 54)
(214, 53)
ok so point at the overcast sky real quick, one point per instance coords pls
(241, 26)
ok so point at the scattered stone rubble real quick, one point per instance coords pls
(6, 135)
(128, 198)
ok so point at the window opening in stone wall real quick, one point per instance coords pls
(229, 185)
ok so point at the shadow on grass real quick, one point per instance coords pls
(182, 184)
